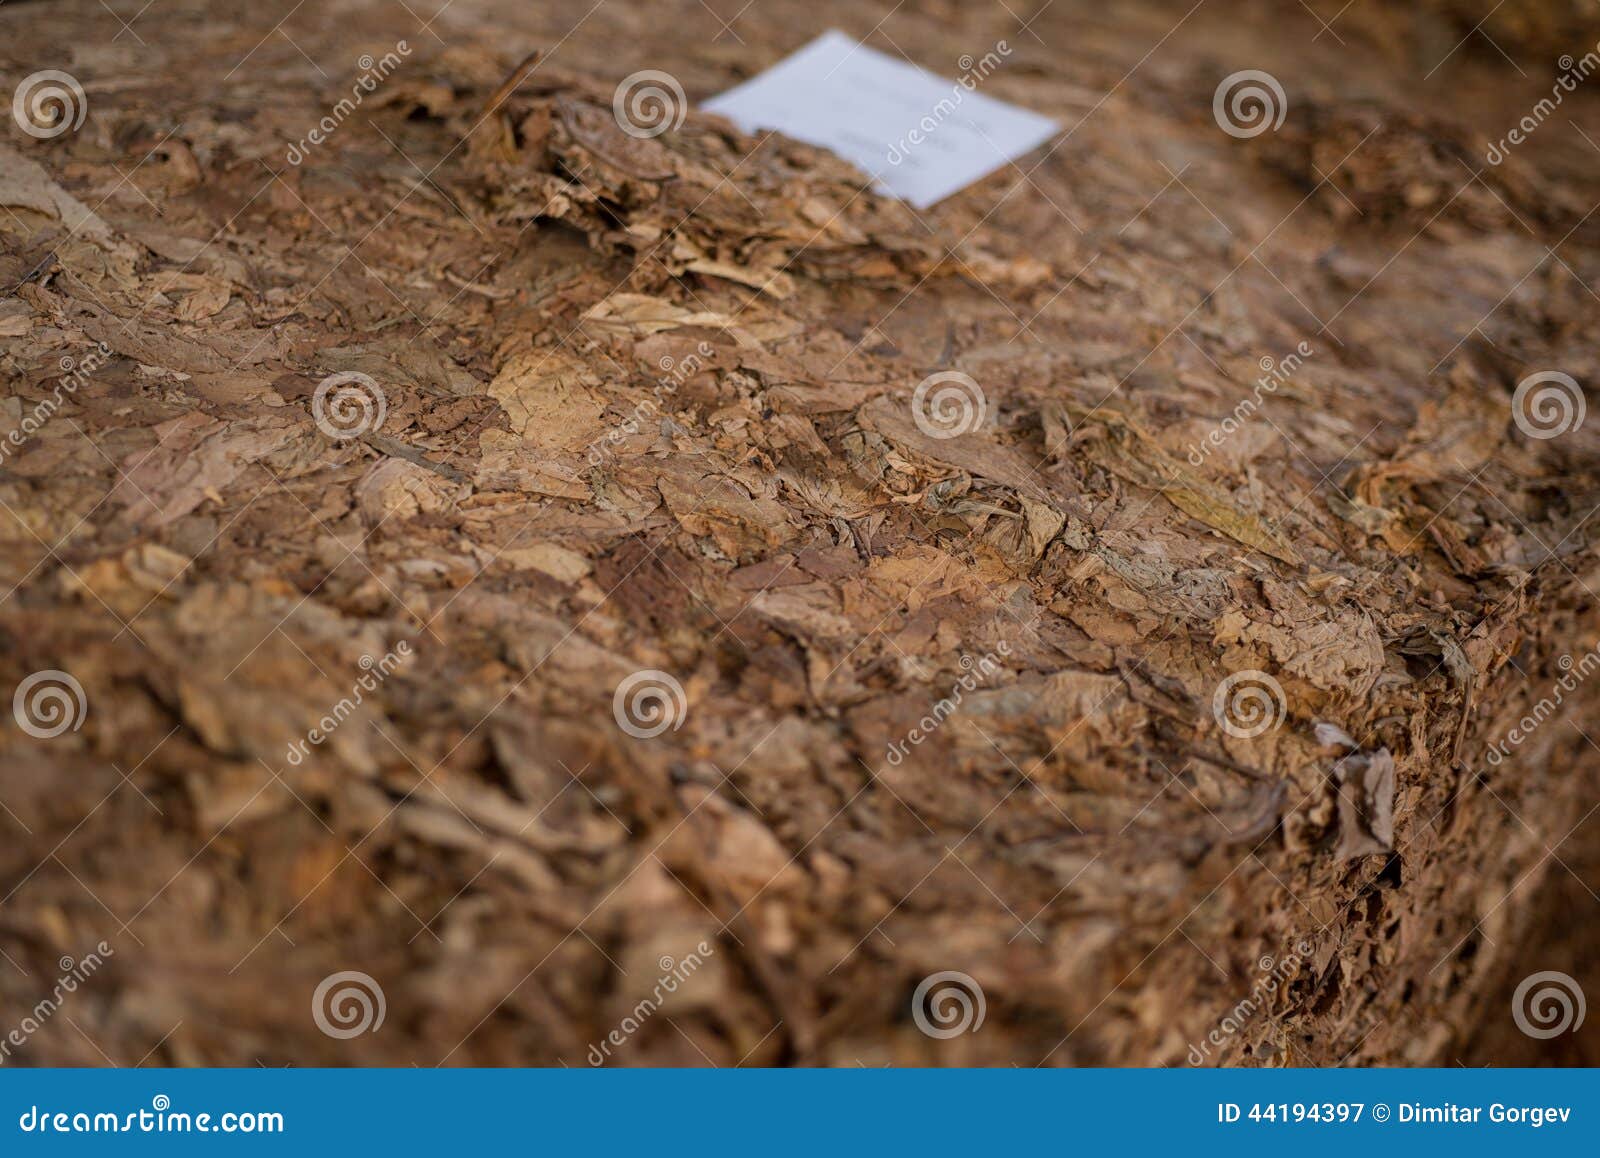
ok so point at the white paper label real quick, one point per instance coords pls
(921, 137)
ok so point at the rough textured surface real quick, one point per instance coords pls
(649, 407)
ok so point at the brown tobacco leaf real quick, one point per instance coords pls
(549, 397)
(25, 185)
(1133, 454)
(1366, 804)
(637, 315)
(1383, 165)
(743, 526)
(974, 452)
(1371, 520)
(948, 703)
(194, 458)
(738, 210)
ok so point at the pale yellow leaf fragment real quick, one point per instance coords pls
(549, 396)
